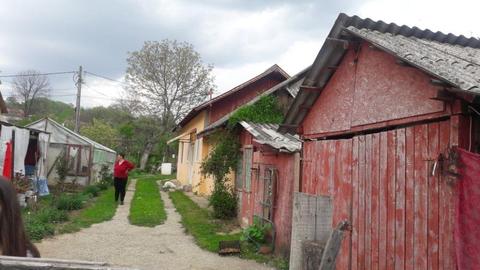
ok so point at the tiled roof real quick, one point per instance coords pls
(267, 134)
(457, 65)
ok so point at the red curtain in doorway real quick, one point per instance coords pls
(467, 225)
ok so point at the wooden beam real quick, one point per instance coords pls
(310, 88)
(344, 43)
(444, 95)
(438, 82)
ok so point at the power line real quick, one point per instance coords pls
(46, 74)
(104, 77)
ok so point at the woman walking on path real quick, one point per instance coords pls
(120, 176)
(13, 239)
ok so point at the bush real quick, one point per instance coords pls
(51, 215)
(70, 202)
(224, 202)
(92, 189)
(36, 229)
(257, 232)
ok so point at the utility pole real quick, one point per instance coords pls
(79, 94)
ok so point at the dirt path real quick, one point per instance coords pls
(119, 243)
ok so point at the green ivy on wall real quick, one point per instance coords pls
(226, 155)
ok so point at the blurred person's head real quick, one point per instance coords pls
(13, 239)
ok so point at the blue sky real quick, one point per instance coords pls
(240, 38)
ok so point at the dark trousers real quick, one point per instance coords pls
(120, 185)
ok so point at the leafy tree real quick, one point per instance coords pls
(28, 86)
(101, 132)
(166, 80)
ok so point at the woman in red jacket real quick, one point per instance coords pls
(120, 176)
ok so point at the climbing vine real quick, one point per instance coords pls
(225, 156)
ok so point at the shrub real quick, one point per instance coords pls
(70, 202)
(92, 189)
(36, 229)
(224, 202)
(256, 233)
(51, 215)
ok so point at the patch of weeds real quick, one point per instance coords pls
(70, 202)
(99, 210)
(249, 252)
(36, 229)
(198, 222)
(93, 190)
(147, 208)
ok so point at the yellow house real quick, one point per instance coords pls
(193, 149)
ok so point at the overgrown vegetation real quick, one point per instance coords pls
(209, 232)
(198, 222)
(257, 232)
(147, 207)
(69, 212)
(225, 156)
(265, 110)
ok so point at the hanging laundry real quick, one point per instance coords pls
(5, 137)
(467, 229)
(7, 164)
(22, 138)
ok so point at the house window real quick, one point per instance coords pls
(248, 153)
(190, 152)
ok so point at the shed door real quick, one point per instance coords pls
(401, 211)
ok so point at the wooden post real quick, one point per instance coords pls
(332, 248)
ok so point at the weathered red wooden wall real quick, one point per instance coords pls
(372, 92)
(282, 211)
(239, 98)
(402, 216)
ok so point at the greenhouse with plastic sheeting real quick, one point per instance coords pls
(85, 157)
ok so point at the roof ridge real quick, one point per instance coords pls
(406, 31)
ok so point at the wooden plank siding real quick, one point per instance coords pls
(402, 215)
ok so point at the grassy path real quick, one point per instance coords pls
(147, 208)
(198, 222)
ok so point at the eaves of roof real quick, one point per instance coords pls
(333, 49)
(273, 69)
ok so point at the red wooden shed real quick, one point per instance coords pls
(271, 164)
(380, 107)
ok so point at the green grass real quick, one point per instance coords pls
(100, 209)
(147, 207)
(197, 221)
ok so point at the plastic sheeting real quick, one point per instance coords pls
(467, 229)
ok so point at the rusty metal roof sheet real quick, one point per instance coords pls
(267, 134)
(457, 65)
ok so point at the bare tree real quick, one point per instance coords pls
(166, 79)
(28, 86)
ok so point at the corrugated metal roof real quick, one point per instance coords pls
(459, 66)
(292, 85)
(453, 59)
(267, 134)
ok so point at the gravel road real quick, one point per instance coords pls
(117, 242)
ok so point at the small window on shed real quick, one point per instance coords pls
(248, 153)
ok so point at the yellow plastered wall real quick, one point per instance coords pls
(188, 169)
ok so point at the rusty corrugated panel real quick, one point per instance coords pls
(267, 134)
